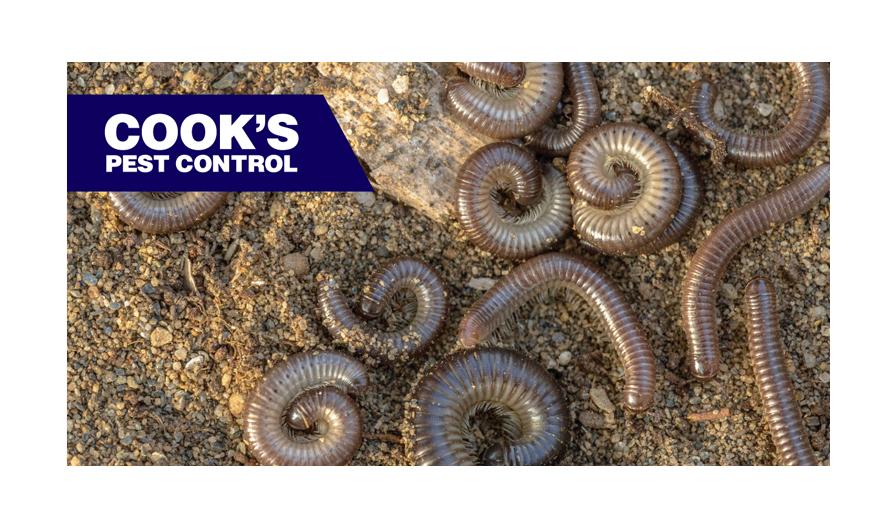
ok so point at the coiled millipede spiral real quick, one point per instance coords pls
(516, 391)
(558, 140)
(403, 274)
(579, 276)
(302, 412)
(781, 410)
(545, 216)
(166, 212)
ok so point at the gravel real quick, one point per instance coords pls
(136, 396)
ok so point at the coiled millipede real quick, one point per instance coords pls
(558, 140)
(165, 212)
(784, 145)
(707, 267)
(781, 410)
(545, 216)
(518, 393)
(403, 274)
(579, 276)
(493, 103)
(302, 412)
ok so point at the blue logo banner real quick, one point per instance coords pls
(181, 143)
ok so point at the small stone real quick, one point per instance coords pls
(225, 82)
(89, 279)
(729, 291)
(382, 96)
(180, 354)
(317, 253)
(590, 419)
(225, 380)
(93, 291)
(159, 337)
(601, 400)
(320, 230)
(564, 358)
(162, 70)
(367, 199)
(818, 312)
(824, 377)
(401, 84)
(236, 403)
(194, 363)
(481, 284)
(110, 89)
(156, 457)
(765, 109)
(297, 263)
(75, 462)
(637, 108)
(809, 359)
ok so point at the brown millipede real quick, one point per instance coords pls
(546, 216)
(781, 410)
(402, 274)
(506, 113)
(503, 74)
(302, 413)
(781, 146)
(516, 391)
(558, 141)
(627, 185)
(706, 268)
(573, 273)
(165, 212)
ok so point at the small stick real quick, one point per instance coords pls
(713, 415)
(686, 117)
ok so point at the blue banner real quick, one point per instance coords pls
(181, 143)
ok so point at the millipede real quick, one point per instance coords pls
(518, 393)
(781, 410)
(505, 110)
(402, 274)
(707, 267)
(165, 212)
(303, 413)
(545, 217)
(585, 94)
(756, 150)
(573, 273)
(627, 185)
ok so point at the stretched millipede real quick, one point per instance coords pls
(777, 394)
(781, 146)
(499, 167)
(302, 412)
(627, 184)
(403, 274)
(706, 268)
(558, 141)
(505, 112)
(573, 273)
(165, 212)
(513, 389)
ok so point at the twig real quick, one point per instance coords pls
(687, 118)
(714, 415)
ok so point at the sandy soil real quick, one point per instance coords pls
(158, 374)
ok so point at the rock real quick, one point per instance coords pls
(160, 337)
(564, 358)
(236, 403)
(180, 354)
(809, 359)
(110, 89)
(382, 96)
(590, 419)
(481, 284)
(89, 279)
(74, 461)
(317, 253)
(765, 109)
(818, 312)
(637, 108)
(162, 70)
(225, 380)
(320, 230)
(297, 263)
(401, 84)
(601, 400)
(728, 291)
(225, 82)
(194, 363)
(367, 199)
(156, 457)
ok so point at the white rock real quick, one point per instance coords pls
(481, 284)
(382, 96)
(765, 109)
(401, 84)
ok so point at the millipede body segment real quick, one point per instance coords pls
(627, 186)
(505, 112)
(513, 389)
(784, 145)
(576, 274)
(781, 409)
(545, 218)
(558, 141)
(302, 412)
(407, 274)
(165, 212)
(707, 267)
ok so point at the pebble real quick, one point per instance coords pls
(297, 263)
(320, 230)
(366, 199)
(637, 108)
(89, 279)
(180, 354)
(481, 284)
(729, 291)
(317, 253)
(809, 359)
(156, 457)
(194, 363)
(765, 109)
(818, 312)
(591, 419)
(236, 403)
(382, 96)
(564, 358)
(159, 337)
(824, 377)
(601, 400)
(225, 82)
(110, 89)
(401, 84)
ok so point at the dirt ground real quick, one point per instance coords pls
(158, 374)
